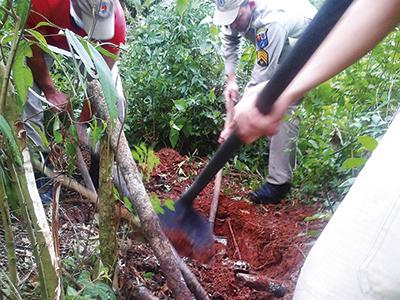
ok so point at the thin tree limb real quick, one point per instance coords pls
(191, 280)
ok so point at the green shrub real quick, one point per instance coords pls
(340, 119)
(171, 72)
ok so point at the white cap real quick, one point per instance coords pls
(98, 14)
(226, 11)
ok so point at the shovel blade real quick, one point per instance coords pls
(189, 232)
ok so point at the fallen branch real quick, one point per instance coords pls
(191, 280)
(262, 283)
(66, 181)
(142, 293)
(80, 162)
(122, 212)
(149, 220)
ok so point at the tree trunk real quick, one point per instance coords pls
(107, 223)
(141, 202)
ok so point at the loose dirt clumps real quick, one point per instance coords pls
(266, 241)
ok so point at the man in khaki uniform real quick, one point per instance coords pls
(272, 26)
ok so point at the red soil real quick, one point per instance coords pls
(272, 240)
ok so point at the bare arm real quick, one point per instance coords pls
(42, 78)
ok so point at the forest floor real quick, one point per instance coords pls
(267, 242)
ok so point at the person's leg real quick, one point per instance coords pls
(282, 153)
(282, 159)
(32, 116)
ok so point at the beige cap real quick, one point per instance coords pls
(226, 11)
(98, 14)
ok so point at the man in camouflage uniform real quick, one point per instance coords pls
(272, 26)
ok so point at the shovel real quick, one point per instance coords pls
(185, 227)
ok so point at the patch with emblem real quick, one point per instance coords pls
(262, 58)
(261, 39)
(105, 9)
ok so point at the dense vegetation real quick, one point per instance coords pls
(173, 76)
(173, 81)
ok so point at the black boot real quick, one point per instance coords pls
(269, 193)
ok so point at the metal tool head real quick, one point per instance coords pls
(188, 231)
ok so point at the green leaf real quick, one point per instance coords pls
(138, 154)
(107, 84)
(313, 233)
(135, 156)
(354, 162)
(74, 134)
(318, 216)
(56, 130)
(70, 144)
(99, 290)
(96, 132)
(368, 142)
(22, 8)
(38, 36)
(314, 144)
(43, 137)
(7, 38)
(152, 159)
(81, 51)
(187, 129)
(22, 75)
(173, 136)
(128, 204)
(213, 30)
(5, 129)
(181, 6)
(71, 291)
(180, 105)
(170, 204)
(156, 203)
(148, 275)
(106, 53)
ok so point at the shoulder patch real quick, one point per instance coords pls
(262, 58)
(261, 38)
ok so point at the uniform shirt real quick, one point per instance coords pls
(274, 24)
(57, 12)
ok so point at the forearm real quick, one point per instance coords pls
(40, 71)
